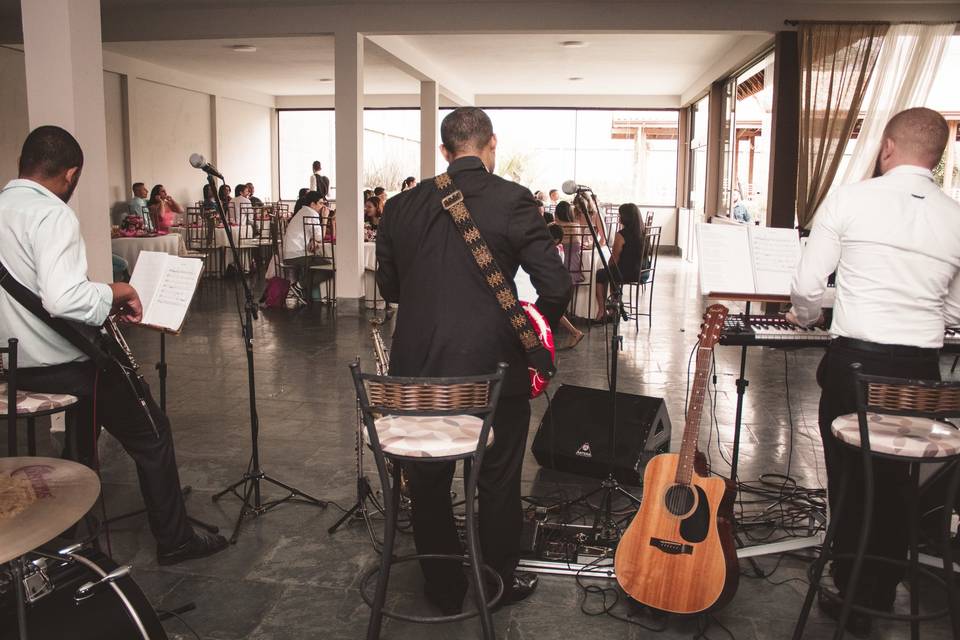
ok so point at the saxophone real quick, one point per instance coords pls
(379, 348)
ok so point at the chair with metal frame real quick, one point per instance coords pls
(579, 260)
(427, 420)
(903, 421)
(634, 291)
(320, 264)
(28, 405)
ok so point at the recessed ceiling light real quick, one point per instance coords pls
(575, 78)
(573, 44)
(243, 48)
(324, 79)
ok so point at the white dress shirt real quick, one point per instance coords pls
(294, 239)
(894, 242)
(40, 245)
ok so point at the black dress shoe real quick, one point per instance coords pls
(200, 545)
(858, 624)
(519, 588)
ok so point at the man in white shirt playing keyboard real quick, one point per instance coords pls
(894, 242)
(41, 247)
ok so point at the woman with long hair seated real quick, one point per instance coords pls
(571, 246)
(625, 258)
(163, 208)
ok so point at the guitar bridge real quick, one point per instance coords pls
(673, 548)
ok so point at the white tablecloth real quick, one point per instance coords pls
(369, 273)
(219, 237)
(129, 248)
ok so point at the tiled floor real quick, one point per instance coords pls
(287, 578)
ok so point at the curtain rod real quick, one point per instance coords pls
(795, 23)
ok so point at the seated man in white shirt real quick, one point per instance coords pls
(41, 246)
(138, 203)
(894, 242)
(301, 251)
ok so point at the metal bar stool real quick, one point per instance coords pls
(29, 405)
(428, 420)
(904, 421)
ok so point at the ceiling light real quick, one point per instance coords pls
(575, 78)
(324, 79)
(243, 48)
(573, 44)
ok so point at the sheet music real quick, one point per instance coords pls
(724, 259)
(166, 285)
(776, 253)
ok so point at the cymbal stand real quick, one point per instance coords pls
(248, 488)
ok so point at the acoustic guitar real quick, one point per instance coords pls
(678, 553)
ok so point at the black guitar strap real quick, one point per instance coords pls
(32, 303)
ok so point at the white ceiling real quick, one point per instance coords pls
(501, 64)
(279, 66)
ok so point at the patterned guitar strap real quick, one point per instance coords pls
(452, 200)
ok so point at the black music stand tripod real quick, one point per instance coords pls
(247, 489)
(605, 526)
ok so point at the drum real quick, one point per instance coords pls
(57, 611)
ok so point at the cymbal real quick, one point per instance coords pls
(39, 499)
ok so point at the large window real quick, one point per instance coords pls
(746, 140)
(697, 166)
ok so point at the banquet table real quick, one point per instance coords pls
(129, 248)
(220, 240)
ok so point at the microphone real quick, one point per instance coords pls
(197, 161)
(571, 187)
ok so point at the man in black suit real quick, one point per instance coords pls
(450, 324)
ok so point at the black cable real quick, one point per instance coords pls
(604, 593)
(182, 621)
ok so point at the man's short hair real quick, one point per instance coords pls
(311, 197)
(48, 151)
(379, 191)
(465, 128)
(135, 185)
(920, 132)
(552, 191)
(316, 165)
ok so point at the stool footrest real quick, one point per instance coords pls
(430, 619)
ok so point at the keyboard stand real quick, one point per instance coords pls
(770, 548)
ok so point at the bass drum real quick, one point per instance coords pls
(56, 614)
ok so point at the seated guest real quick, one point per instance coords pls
(740, 213)
(225, 198)
(298, 250)
(372, 211)
(300, 196)
(625, 258)
(582, 207)
(381, 193)
(571, 258)
(138, 203)
(367, 193)
(163, 208)
(257, 202)
(41, 245)
(554, 197)
(409, 183)
(209, 202)
(556, 232)
(241, 208)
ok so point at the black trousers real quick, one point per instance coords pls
(106, 400)
(878, 583)
(500, 514)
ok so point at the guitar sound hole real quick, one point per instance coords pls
(679, 499)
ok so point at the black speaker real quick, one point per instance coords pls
(575, 432)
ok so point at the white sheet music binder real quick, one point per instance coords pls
(746, 259)
(166, 285)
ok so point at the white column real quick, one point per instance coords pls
(215, 106)
(274, 156)
(348, 108)
(64, 65)
(429, 127)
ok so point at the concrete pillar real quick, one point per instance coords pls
(64, 65)
(274, 156)
(429, 128)
(348, 110)
(215, 106)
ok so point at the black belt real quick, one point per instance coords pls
(888, 349)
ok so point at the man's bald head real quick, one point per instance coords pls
(915, 136)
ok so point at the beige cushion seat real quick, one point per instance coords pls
(907, 436)
(29, 402)
(429, 436)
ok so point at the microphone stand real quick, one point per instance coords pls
(252, 504)
(605, 527)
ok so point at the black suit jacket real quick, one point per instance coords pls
(448, 321)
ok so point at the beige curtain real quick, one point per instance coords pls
(836, 62)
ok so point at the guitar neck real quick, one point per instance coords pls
(691, 429)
